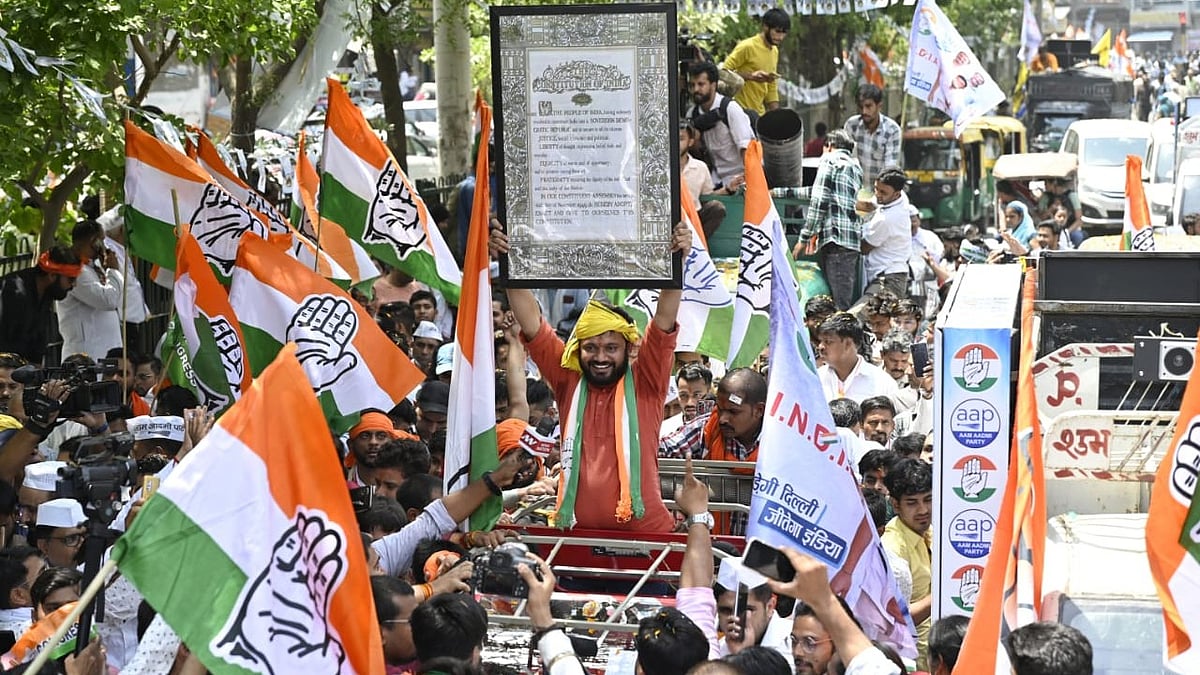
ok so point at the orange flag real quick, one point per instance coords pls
(1137, 234)
(1010, 593)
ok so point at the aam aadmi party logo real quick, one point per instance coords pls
(964, 587)
(975, 367)
(971, 533)
(975, 423)
(975, 472)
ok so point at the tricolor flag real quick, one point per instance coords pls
(154, 171)
(744, 334)
(471, 425)
(1010, 593)
(350, 363)
(281, 231)
(1137, 234)
(330, 237)
(704, 297)
(250, 550)
(805, 495)
(872, 67)
(1173, 535)
(204, 350)
(364, 191)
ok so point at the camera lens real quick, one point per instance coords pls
(1178, 361)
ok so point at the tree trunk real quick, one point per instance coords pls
(393, 101)
(452, 61)
(243, 108)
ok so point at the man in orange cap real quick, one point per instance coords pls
(367, 438)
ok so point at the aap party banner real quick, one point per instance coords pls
(943, 72)
(805, 496)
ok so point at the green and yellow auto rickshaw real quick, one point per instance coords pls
(950, 179)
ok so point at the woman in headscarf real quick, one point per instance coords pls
(1018, 223)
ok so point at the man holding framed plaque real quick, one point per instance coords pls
(611, 409)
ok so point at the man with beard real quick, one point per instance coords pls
(367, 438)
(879, 419)
(27, 301)
(612, 409)
(730, 432)
(756, 59)
(723, 125)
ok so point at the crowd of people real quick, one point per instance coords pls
(586, 406)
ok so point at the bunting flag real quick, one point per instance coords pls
(328, 236)
(162, 185)
(1137, 233)
(704, 297)
(1010, 592)
(872, 67)
(204, 350)
(943, 71)
(471, 425)
(1173, 535)
(805, 495)
(350, 363)
(364, 191)
(743, 336)
(281, 231)
(258, 523)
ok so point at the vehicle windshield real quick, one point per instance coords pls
(1189, 194)
(1111, 151)
(1164, 170)
(1050, 129)
(931, 154)
(421, 114)
(1126, 635)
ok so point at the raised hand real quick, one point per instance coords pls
(323, 328)
(692, 496)
(395, 219)
(282, 622)
(973, 480)
(975, 368)
(219, 223)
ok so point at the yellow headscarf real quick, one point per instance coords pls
(596, 319)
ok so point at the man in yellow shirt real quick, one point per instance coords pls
(756, 59)
(907, 536)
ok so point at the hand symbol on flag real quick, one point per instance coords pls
(975, 368)
(275, 220)
(968, 587)
(282, 625)
(232, 358)
(755, 276)
(218, 225)
(395, 219)
(323, 328)
(973, 480)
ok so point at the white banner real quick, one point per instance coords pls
(805, 495)
(943, 72)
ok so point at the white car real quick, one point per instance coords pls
(424, 114)
(1102, 146)
(1158, 171)
(1187, 191)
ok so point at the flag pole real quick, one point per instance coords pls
(171, 312)
(84, 600)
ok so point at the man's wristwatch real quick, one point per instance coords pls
(705, 519)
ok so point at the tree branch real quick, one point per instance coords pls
(153, 67)
(30, 189)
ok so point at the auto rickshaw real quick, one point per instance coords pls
(950, 179)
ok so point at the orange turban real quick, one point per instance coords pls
(373, 421)
(508, 435)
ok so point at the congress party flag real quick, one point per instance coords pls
(805, 496)
(872, 67)
(250, 549)
(328, 236)
(364, 191)
(154, 171)
(1173, 535)
(739, 334)
(1136, 234)
(1010, 591)
(471, 425)
(204, 350)
(350, 363)
(704, 297)
(943, 72)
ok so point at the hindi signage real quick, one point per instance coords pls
(587, 145)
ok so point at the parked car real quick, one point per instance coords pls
(424, 114)
(1101, 146)
(1158, 171)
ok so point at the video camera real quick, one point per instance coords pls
(102, 467)
(90, 392)
(496, 570)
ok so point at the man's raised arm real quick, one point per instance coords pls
(520, 300)
(669, 298)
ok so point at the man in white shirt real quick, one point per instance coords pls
(723, 125)
(887, 236)
(846, 374)
(132, 308)
(87, 317)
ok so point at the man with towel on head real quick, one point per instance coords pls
(612, 408)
